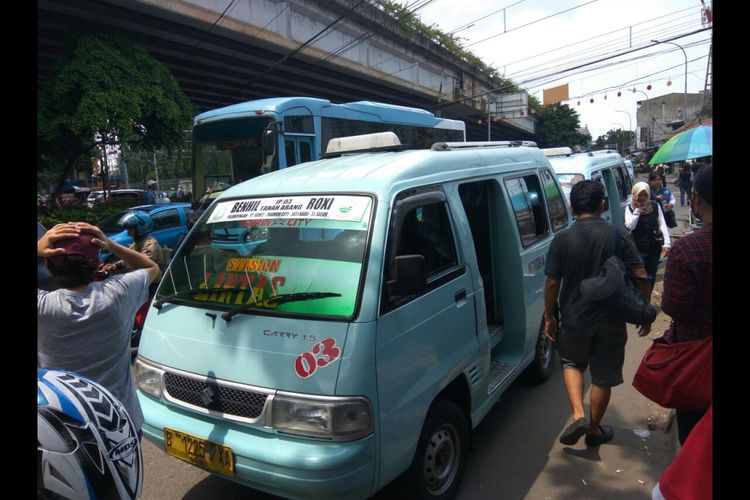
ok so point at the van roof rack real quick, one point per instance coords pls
(450, 146)
(559, 151)
(602, 152)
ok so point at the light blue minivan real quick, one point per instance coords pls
(604, 166)
(327, 328)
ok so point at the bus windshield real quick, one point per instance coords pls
(284, 255)
(227, 152)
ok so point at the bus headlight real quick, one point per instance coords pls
(148, 378)
(341, 419)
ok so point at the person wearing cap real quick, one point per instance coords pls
(150, 196)
(645, 220)
(589, 336)
(84, 326)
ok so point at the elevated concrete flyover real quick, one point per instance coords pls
(226, 51)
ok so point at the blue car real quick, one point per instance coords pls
(170, 222)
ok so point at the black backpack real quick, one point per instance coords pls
(614, 289)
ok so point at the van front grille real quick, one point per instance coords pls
(215, 396)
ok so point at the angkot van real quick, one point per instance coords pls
(324, 329)
(604, 166)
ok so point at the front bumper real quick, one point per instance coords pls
(283, 465)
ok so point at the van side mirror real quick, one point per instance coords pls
(268, 141)
(411, 274)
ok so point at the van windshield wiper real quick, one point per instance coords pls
(279, 299)
(159, 303)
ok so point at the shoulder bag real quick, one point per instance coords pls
(614, 288)
(677, 375)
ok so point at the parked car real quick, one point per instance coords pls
(131, 195)
(170, 222)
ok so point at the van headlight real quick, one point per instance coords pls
(342, 419)
(148, 378)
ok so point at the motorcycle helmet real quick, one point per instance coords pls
(141, 221)
(87, 445)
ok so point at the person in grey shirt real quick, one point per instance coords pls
(85, 325)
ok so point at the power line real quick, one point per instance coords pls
(603, 52)
(557, 74)
(532, 22)
(548, 52)
(483, 17)
(281, 61)
(415, 6)
(218, 19)
(288, 5)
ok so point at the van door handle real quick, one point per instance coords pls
(460, 296)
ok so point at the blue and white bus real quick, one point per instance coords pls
(241, 141)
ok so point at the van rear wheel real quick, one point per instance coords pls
(438, 464)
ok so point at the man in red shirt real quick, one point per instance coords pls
(688, 284)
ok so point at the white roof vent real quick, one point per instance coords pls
(361, 143)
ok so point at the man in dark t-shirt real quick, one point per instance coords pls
(589, 335)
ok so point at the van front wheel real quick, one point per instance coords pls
(438, 465)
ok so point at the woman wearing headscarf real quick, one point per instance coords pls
(645, 220)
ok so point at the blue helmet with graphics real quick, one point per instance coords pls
(87, 445)
(141, 221)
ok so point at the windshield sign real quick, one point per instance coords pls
(344, 208)
(286, 255)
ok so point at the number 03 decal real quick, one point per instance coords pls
(322, 354)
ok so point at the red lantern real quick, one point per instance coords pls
(591, 100)
(669, 83)
(619, 93)
(648, 87)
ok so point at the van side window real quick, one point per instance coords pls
(528, 207)
(426, 231)
(626, 184)
(620, 181)
(597, 176)
(558, 216)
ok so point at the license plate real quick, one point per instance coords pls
(200, 452)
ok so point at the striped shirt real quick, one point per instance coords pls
(688, 286)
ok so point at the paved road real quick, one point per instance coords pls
(515, 453)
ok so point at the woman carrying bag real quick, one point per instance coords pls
(645, 220)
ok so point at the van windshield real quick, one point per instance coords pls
(567, 181)
(285, 255)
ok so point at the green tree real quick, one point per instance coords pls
(558, 126)
(106, 91)
(621, 140)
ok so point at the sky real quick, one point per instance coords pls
(535, 52)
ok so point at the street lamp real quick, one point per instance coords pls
(684, 104)
(630, 121)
